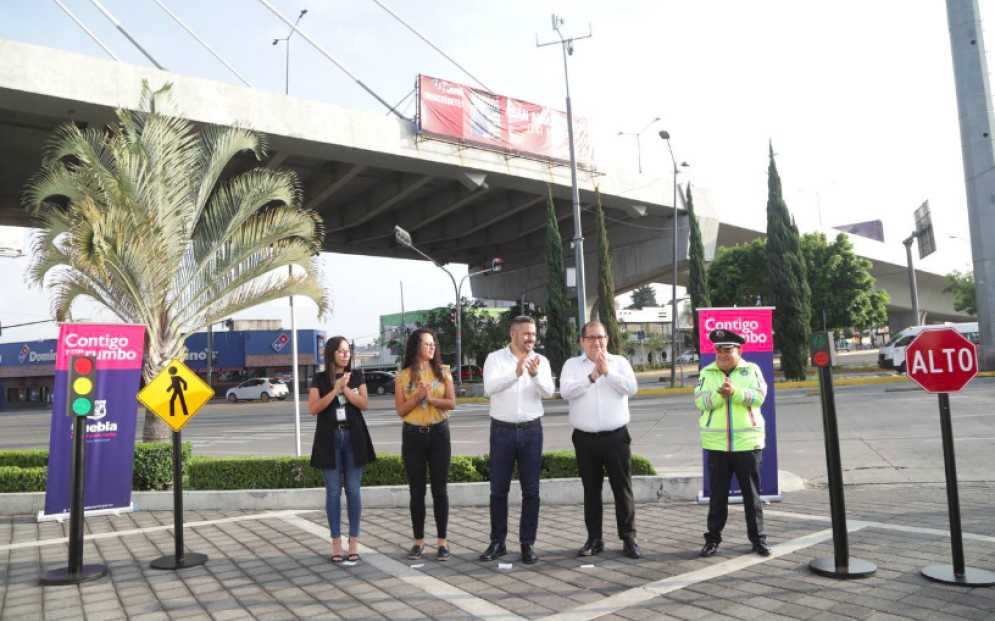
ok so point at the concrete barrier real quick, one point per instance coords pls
(672, 488)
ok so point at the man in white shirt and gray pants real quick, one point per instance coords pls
(598, 386)
(516, 379)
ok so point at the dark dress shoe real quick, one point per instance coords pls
(529, 555)
(415, 551)
(592, 547)
(761, 548)
(709, 549)
(631, 548)
(493, 551)
(443, 554)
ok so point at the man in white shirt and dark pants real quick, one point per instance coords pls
(516, 379)
(598, 386)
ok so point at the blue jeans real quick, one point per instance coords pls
(509, 445)
(345, 464)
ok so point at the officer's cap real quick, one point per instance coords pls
(722, 338)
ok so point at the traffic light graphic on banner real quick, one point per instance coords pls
(82, 389)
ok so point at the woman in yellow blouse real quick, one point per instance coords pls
(424, 395)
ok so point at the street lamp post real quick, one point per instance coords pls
(404, 238)
(639, 149)
(673, 287)
(286, 39)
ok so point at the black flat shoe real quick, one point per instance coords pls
(529, 556)
(631, 548)
(493, 551)
(444, 554)
(415, 552)
(592, 547)
(761, 548)
(709, 549)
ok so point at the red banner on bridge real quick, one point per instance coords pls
(473, 116)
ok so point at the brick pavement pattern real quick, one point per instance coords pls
(268, 568)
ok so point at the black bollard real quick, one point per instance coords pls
(181, 559)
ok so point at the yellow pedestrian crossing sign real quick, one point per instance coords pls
(176, 394)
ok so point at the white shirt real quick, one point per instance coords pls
(603, 405)
(516, 399)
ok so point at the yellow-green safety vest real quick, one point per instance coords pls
(735, 424)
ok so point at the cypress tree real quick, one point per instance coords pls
(606, 283)
(788, 281)
(559, 329)
(698, 281)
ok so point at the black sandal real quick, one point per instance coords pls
(352, 558)
(337, 558)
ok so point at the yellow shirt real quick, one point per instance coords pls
(425, 413)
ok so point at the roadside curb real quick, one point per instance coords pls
(554, 492)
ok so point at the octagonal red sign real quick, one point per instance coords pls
(941, 360)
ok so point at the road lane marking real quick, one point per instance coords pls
(918, 530)
(476, 606)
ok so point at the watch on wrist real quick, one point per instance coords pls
(590, 378)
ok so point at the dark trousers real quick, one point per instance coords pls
(746, 466)
(611, 453)
(427, 456)
(508, 447)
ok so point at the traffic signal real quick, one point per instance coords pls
(497, 264)
(82, 388)
(452, 316)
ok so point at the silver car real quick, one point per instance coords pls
(262, 388)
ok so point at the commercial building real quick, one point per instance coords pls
(27, 370)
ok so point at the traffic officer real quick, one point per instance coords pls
(729, 394)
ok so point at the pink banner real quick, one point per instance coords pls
(754, 323)
(116, 347)
(470, 115)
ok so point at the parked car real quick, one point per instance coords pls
(379, 382)
(466, 371)
(688, 357)
(262, 388)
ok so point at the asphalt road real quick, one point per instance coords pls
(889, 433)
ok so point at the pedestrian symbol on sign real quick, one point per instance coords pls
(177, 385)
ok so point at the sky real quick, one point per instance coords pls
(856, 97)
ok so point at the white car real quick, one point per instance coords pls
(262, 388)
(687, 357)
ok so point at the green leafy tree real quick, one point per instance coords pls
(698, 280)
(738, 275)
(643, 296)
(606, 283)
(787, 279)
(137, 217)
(478, 329)
(961, 285)
(559, 329)
(841, 283)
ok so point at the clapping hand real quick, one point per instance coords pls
(522, 363)
(342, 382)
(423, 389)
(601, 365)
(533, 366)
(727, 389)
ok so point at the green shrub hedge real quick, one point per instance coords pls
(25, 471)
(153, 470)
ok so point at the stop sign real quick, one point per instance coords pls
(941, 360)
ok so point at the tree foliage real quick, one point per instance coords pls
(137, 217)
(480, 330)
(698, 279)
(606, 283)
(961, 285)
(738, 275)
(643, 296)
(841, 283)
(559, 334)
(787, 280)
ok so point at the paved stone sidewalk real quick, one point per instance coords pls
(275, 565)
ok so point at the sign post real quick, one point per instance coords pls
(80, 393)
(942, 361)
(840, 565)
(175, 395)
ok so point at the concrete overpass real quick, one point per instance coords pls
(364, 173)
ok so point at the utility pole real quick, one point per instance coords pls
(286, 39)
(977, 123)
(578, 240)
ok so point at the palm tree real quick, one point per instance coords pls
(137, 217)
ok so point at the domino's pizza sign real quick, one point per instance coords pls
(280, 342)
(25, 351)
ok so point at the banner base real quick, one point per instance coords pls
(190, 559)
(64, 576)
(62, 517)
(702, 499)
